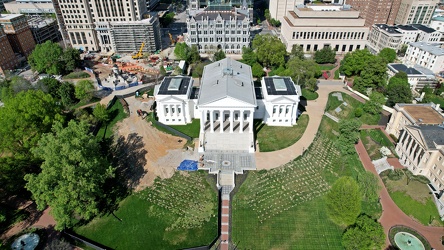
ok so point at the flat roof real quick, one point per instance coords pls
(427, 114)
(406, 27)
(258, 92)
(404, 68)
(431, 48)
(9, 16)
(280, 86)
(174, 85)
(387, 28)
(423, 28)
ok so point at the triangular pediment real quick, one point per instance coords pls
(170, 99)
(227, 102)
(283, 99)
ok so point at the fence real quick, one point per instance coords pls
(85, 241)
(388, 109)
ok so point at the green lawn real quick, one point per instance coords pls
(437, 100)
(309, 95)
(116, 114)
(326, 66)
(176, 213)
(272, 138)
(413, 199)
(337, 75)
(192, 129)
(82, 103)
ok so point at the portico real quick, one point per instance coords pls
(226, 121)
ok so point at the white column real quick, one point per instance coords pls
(231, 121)
(212, 121)
(250, 121)
(202, 123)
(241, 118)
(171, 110)
(413, 150)
(221, 120)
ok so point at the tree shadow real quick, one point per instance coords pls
(302, 104)
(258, 125)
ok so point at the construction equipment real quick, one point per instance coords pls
(139, 54)
(171, 38)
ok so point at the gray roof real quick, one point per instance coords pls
(432, 135)
(280, 86)
(227, 78)
(423, 28)
(402, 67)
(431, 48)
(387, 28)
(406, 27)
(177, 85)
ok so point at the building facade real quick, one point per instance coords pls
(417, 76)
(86, 22)
(437, 23)
(316, 26)
(421, 150)
(44, 29)
(416, 11)
(430, 56)
(8, 59)
(227, 102)
(376, 11)
(18, 32)
(385, 36)
(30, 7)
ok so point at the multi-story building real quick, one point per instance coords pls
(420, 147)
(8, 59)
(44, 29)
(228, 30)
(86, 22)
(417, 76)
(30, 7)
(316, 26)
(18, 32)
(376, 11)
(384, 36)
(2, 6)
(430, 56)
(416, 11)
(437, 23)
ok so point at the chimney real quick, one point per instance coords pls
(437, 107)
(217, 82)
(242, 84)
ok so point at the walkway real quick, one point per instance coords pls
(315, 110)
(391, 214)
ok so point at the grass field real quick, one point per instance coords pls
(347, 111)
(413, 199)
(77, 75)
(192, 129)
(176, 213)
(309, 95)
(116, 114)
(326, 66)
(272, 138)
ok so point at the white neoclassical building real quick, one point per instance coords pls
(227, 103)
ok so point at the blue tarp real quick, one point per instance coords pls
(188, 165)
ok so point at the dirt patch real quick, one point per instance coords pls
(164, 152)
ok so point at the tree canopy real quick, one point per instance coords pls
(398, 90)
(374, 104)
(189, 54)
(45, 58)
(249, 56)
(101, 113)
(84, 90)
(72, 176)
(66, 93)
(270, 50)
(325, 55)
(219, 55)
(23, 120)
(257, 70)
(388, 54)
(301, 71)
(70, 59)
(50, 86)
(366, 234)
(349, 135)
(297, 51)
(344, 201)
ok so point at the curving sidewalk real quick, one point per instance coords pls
(315, 110)
(391, 214)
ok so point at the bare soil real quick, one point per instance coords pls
(164, 152)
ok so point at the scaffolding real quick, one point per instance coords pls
(44, 29)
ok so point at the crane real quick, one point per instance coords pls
(139, 54)
(171, 38)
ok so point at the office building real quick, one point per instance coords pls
(18, 32)
(30, 7)
(44, 29)
(8, 59)
(427, 55)
(416, 11)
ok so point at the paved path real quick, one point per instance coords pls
(315, 110)
(391, 214)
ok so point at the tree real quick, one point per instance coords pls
(162, 70)
(84, 90)
(66, 93)
(373, 76)
(257, 70)
(344, 201)
(369, 186)
(50, 86)
(267, 14)
(70, 59)
(349, 135)
(248, 56)
(297, 51)
(355, 62)
(311, 84)
(101, 113)
(18, 84)
(325, 55)
(374, 104)
(398, 90)
(181, 51)
(388, 54)
(301, 71)
(24, 118)
(219, 55)
(193, 55)
(403, 49)
(72, 176)
(198, 69)
(270, 50)
(45, 58)
(167, 19)
(366, 234)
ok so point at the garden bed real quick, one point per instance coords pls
(374, 140)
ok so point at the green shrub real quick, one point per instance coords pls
(394, 175)
(77, 75)
(359, 112)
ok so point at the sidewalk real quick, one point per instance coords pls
(391, 214)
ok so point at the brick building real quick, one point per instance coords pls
(7, 57)
(18, 32)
